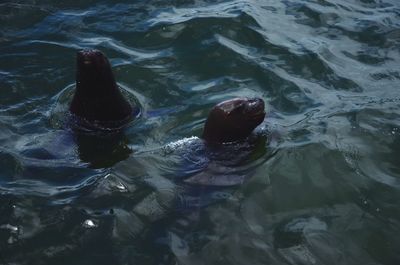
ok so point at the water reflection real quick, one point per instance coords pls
(102, 150)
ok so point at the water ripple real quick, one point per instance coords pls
(318, 182)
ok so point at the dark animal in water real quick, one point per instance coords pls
(233, 120)
(97, 97)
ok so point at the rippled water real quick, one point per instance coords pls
(319, 182)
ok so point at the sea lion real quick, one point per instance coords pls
(233, 120)
(98, 99)
(99, 106)
(206, 170)
(224, 146)
(229, 123)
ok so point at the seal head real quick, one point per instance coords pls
(97, 96)
(233, 120)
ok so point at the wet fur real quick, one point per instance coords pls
(233, 120)
(97, 96)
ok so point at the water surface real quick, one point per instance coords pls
(319, 183)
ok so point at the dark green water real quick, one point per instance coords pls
(320, 184)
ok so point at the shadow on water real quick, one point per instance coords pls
(102, 150)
